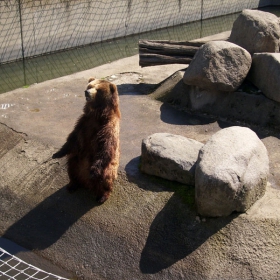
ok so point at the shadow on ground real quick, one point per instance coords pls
(176, 231)
(174, 234)
(136, 89)
(50, 219)
(171, 115)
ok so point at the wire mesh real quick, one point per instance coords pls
(13, 268)
(31, 28)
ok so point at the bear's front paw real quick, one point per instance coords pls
(57, 155)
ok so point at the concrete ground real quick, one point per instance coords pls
(149, 228)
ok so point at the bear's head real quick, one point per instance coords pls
(101, 94)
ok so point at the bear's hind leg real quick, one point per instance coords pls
(73, 173)
(103, 197)
(103, 192)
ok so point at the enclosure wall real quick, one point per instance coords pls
(33, 27)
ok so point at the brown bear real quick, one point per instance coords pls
(92, 148)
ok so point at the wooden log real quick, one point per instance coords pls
(153, 52)
(157, 59)
(169, 43)
(169, 47)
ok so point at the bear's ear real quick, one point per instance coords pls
(113, 88)
(91, 79)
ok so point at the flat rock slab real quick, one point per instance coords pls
(170, 156)
(231, 172)
(256, 31)
(265, 73)
(219, 66)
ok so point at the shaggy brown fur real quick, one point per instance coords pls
(92, 147)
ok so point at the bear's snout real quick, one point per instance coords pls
(87, 94)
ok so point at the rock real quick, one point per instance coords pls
(247, 104)
(218, 66)
(171, 157)
(231, 172)
(200, 98)
(265, 73)
(256, 31)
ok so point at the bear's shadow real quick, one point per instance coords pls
(49, 220)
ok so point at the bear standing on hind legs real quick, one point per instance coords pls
(92, 148)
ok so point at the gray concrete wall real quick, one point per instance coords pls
(10, 31)
(36, 27)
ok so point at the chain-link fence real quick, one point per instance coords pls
(30, 28)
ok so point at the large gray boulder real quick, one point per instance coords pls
(170, 156)
(231, 172)
(265, 73)
(256, 31)
(218, 66)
